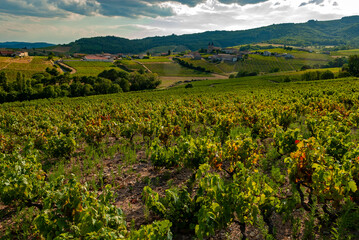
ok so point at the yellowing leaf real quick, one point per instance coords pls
(353, 186)
(263, 198)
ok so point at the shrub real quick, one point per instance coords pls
(327, 75)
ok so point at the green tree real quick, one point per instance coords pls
(76, 89)
(144, 81)
(327, 75)
(3, 96)
(4, 81)
(49, 92)
(115, 88)
(50, 56)
(102, 86)
(87, 90)
(124, 84)
(20, 82)
(353, 65)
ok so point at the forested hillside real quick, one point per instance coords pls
(337, 32)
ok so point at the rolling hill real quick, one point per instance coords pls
(24, 45)
(344, 31)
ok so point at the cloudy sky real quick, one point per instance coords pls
(63, 21)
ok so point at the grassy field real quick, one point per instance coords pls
(27, 66)
(84, 68)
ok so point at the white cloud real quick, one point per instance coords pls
(85, 18)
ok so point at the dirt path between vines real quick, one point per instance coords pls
(143, 65)
(73, 70)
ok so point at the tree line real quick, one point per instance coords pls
(52, 84)
(190, 65)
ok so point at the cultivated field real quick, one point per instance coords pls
(264, 64)
(84, 68)
(171, 69)
(344, 53)
(27, 66)
(131, 65)
(224, 159)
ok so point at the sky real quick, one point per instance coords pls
(64, 21)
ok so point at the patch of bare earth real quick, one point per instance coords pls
(6, 214)
(128, 181)
(129, 195)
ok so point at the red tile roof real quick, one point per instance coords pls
(96, 57)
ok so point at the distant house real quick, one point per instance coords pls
(99, 58)
(230, 50)
(266, 53)
(6, 53)
(79, 55)
(288, 56)
(196, 55)
(188, 56)
(20, 54)
(225, 58)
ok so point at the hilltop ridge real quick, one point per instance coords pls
(344, 31)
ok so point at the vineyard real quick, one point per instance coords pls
(173, 69)
(345, 52)
(27, 66)
(265, 64)
(130, 65)
(238, 158)
(155, 59)
(84, 68)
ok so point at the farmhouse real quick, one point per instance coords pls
(99, 58)
(288, 56)
(230, 50)
(196, 55)
(79, 55)
(266, 53)
(225, 58)
(21, 54)
(187, 56)
(6, 53)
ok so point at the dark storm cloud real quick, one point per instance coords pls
(37, 8)
(125, 8)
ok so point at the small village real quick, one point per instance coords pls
(211, 54)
